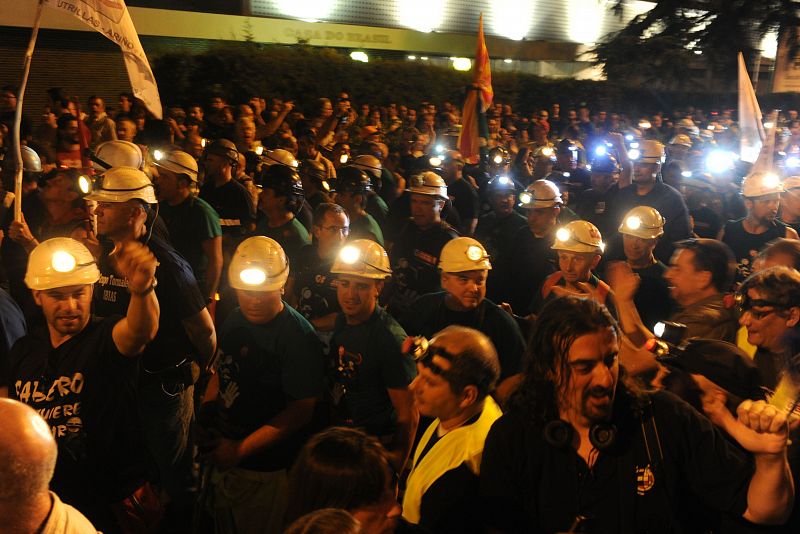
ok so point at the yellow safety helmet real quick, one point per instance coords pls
(178, 162)
(259, 264)
(649, 151)
(428, 183)
(644, 222)
(364, 258)
(463, 254)
(60, 262)
(579, 236)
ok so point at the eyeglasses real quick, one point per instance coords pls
(344, 230)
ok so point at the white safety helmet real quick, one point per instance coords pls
(644, 222)
(579, 236)
(280, 156)
(259, 264)
(649, 151)
(369, 164)
(428, 183)
(540, 194)
(463, 254)
(178, 162)
(60, 262)
(120, 184)
(117, 153)
(761, 183)
(364, 258)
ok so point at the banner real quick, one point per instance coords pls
(480, 94)
(786, 78)
(750, 126)
(112, 19)
(766, 156)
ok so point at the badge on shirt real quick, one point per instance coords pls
(645, 480)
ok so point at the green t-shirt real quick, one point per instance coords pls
(366, 228)
(291, 236)
(366, 360)
(262, 369)
(190, 223)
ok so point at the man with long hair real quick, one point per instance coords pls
(583, 449)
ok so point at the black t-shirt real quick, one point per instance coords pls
(497, 235)
(600, 209)
(529, 485)
(314, 285)
(291, 236)
(414, 258)
(746, 246)
(85, 390)
(653, 299)
(465, 201)
(233, 203)
(533, 261)
(429, 314)
(178, 296)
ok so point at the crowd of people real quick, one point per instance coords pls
(252, 318)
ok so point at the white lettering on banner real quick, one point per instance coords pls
(34, 391)
(113, 281)
(111, 18)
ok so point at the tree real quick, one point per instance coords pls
(683, 44)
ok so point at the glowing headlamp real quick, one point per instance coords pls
(349, 255)
(601, 150)
(629, 137)
(343, 158)
(435, 161)
(84, 184)
(63, 262)
(634, 153)
(771, 180)
(158, 155)
(259, 150)
(439, 149)
(793, 162)
(634, 145)
(644, 125)
(474, 253)
(504, 180)
(633, 222)
(563, 235)
(547, 151)
(525, 198)
(253, 276)
(686, 174)
(498, 159)
(719, 161)
(203, 142)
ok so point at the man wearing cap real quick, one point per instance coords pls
(280, 197)
(376, 206)
(193, 225)
(496, 231)
(747, 236)
(186, 335)
(415, 253)
(641, 229)
(229, 198)
(790, 203)
(462, 193)
(611, 170)
(464, 266)
(315, 184)
(649, 190)
(571, 179)
(579, 246)
(532, 258)
(369, 372)
(80, 372)
(258, 404)
(353, 187)
(457, 371)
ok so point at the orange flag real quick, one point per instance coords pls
(479, 98)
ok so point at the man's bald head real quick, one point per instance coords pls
(27, 452)
(474, 359)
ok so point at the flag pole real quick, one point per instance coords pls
(18, 114)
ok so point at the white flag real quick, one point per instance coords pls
(750, 127)
(111, 18)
